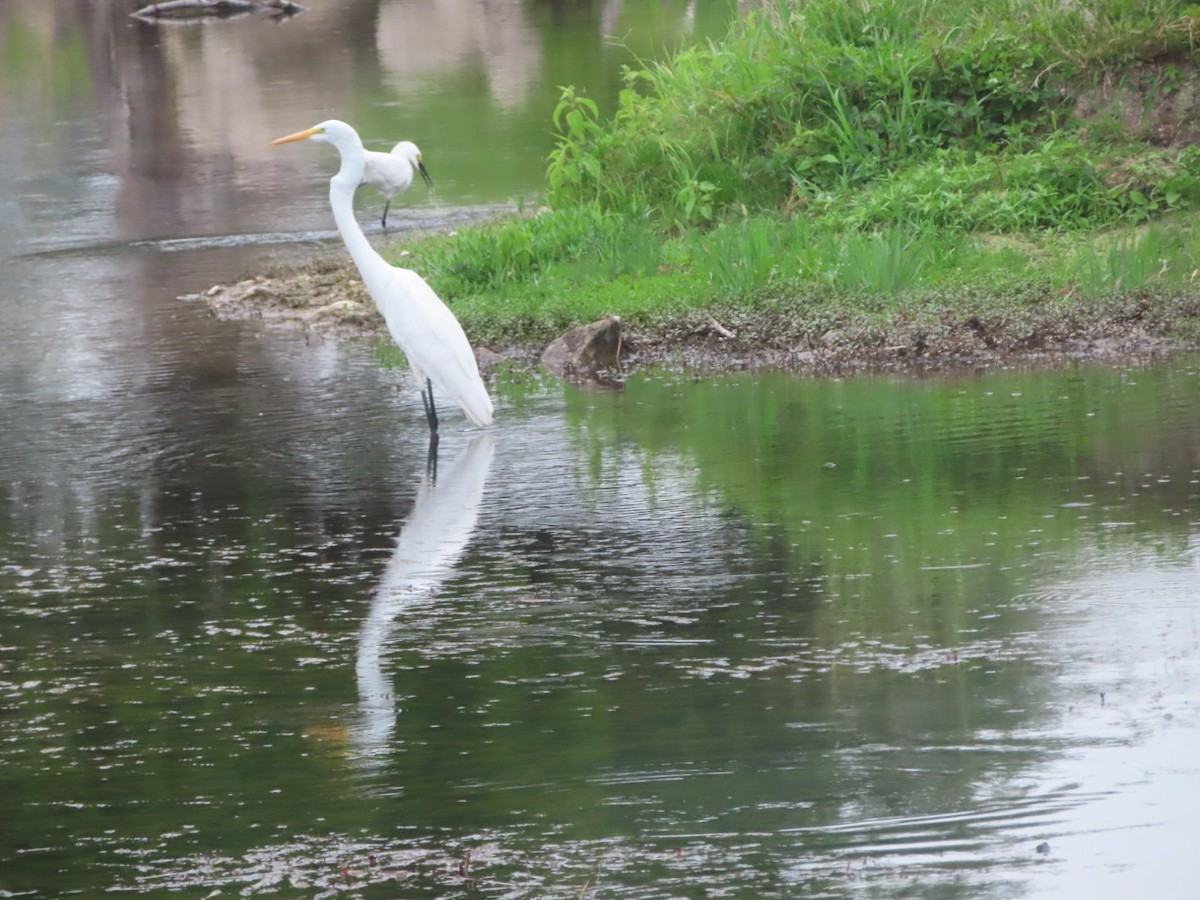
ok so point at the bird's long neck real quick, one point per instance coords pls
(341, 199)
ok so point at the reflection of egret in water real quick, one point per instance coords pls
(427, 548)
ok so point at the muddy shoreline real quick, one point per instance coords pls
(327, 299)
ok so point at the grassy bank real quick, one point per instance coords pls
(832, 168)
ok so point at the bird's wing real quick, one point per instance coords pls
(386, 173)
(434, 342)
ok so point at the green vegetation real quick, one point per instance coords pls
(866, 156)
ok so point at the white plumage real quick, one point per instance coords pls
(392, 173)
(420, 323)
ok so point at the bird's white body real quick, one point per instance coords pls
(422, 326)
(392, 173)
(432, 339)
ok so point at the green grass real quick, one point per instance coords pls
(891, 154)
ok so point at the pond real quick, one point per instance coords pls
(748, 636)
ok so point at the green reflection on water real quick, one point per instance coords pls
(814, 633)
(479, 107)
(879, 475)
(50, 69)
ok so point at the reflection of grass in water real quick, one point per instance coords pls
(907, 480)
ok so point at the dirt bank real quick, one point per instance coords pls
(327, 299)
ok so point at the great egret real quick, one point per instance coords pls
(420, 323)
(392, 173)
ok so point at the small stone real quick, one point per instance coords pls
(585, 350)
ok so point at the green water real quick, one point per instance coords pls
(165, 128)
(752, 636)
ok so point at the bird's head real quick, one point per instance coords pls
(409, 150)
(331, 131)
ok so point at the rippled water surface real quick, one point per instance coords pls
(746, 637)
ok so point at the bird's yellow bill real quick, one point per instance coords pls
(298, 136)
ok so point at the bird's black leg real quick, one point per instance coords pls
(385, 209)
(431, 458)
(430, 409)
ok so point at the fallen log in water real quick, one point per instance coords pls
(186, 8)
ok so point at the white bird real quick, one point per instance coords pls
(420, 323)
(392, 173)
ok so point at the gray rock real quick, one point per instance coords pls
(586, 350)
